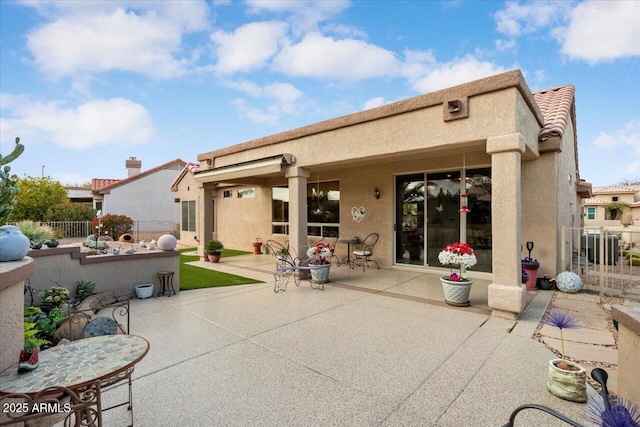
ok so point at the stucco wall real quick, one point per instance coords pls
(239, 222)
(67, 265)
(148, 198)
(12, 277)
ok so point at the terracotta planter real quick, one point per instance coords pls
(257, 248)
(214, 256)
(568, 385)
(532, 270)
(456, 293)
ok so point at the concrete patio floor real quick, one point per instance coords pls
(378, 348)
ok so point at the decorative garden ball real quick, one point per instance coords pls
(568, 282)
(13, 244)
(167, 242)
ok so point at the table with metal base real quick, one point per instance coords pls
(349, 242)
(79, 366)
(166, 281)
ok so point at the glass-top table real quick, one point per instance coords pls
(77, 364)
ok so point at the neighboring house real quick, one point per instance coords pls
(142, 196)
(598, 211)
(401, 170)
(607, 208)
(79, 194)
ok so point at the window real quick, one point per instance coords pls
(280, 210)
(189, 215)
(614, 199)
(591, 212)
(227, 194)
(323, 209)
(247, 193)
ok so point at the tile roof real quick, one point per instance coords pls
(593, 201)
(107, 186)
(556, 106)
(98, 184)
(189, 167)
(617, 189)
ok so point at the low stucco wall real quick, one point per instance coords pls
(12, 277)
(67, 265)
(628, 350)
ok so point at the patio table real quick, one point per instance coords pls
(349, 242)
(78, 365)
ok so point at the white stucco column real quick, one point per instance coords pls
(507, 295)
(297, 207)
(205, 218)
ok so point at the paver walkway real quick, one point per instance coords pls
(594, 343)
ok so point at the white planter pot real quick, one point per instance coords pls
(568, 385)
(320, 273)
(144, 291)
(456, 293)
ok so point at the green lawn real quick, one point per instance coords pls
(196, 278)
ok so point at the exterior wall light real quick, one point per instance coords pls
(376, 193)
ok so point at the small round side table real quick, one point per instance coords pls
(166, 281)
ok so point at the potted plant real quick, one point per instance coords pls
(566, 379)
(281, 254)
(319, 255)
(457, 287)
(213, 248)
(530, 266)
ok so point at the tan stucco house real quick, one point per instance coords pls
(598, 210)
(408, 167)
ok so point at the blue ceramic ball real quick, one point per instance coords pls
(13, 244)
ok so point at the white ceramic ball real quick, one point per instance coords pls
(167, 242)
(568, 282)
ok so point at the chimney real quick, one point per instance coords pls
(133, 166)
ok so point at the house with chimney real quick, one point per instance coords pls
(142, 195)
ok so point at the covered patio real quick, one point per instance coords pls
(373, 348)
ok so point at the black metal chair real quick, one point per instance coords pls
(363, 252)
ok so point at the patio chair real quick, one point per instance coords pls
(105, 313)
(363, 252)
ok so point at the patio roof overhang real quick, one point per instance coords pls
(246, 169)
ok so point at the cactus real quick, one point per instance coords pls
(8, 183)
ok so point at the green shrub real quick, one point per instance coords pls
(635, 261)
(35, 232)
(71, 212)
(54, 295)
(84, 288)
(31, 340)
(49, 324)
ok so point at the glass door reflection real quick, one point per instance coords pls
(410, 219)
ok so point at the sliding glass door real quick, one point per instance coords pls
(428, 215)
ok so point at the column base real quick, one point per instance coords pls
(507, 301)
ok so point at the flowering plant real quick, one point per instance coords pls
(561, 320)
(530, 261)
(460, 254)
(319, 253)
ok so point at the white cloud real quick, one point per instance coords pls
(249, 47)
(456, 72)
(505, 45)
(628, 138)
(95, 37)
(347, 59)
(71, 178)
(304, 15)
(373, 103)
(518, 19)
(602, 31)
(250, 88)
(286, 96)
(253, 114)
(100, 122)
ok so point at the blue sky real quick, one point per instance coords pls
(87, 84)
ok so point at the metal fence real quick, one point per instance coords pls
(77, 231)
(606, 259)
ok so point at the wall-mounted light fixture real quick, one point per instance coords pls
(376, 193)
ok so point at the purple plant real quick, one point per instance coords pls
(561, 320)
(620, 413)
